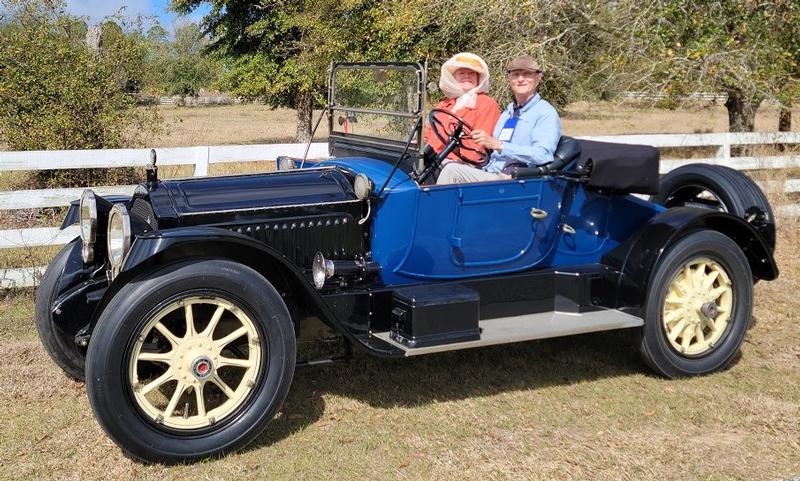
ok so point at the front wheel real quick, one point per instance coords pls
(190, 361)
(698, 306)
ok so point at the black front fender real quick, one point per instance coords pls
(636, 259)
(154, 250)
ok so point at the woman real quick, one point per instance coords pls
(465, 80)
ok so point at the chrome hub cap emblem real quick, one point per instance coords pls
(202, 368)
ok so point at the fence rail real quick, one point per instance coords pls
(202, 157)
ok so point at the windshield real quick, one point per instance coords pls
(382, 101)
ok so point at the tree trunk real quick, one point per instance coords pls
(741, 116)
(785, 119)
(741, 111)
(303, 104)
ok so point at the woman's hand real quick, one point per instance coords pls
(482, 138)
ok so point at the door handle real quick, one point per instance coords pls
(538, 213)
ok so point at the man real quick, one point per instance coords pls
(526, 134)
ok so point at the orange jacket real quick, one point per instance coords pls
(483, 117)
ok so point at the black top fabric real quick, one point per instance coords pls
(624, 168)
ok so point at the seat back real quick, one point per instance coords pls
(568, 150)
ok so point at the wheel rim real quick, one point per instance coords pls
(697, 307)
(696, 196)
(194, 363)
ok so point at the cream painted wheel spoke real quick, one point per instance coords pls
(156, 383)
(190, 331)
(164, 330)
(165, 357)
(710, 278)
(212, 324)
(201, 402)
(176, 396)
(715, 293)
(675, 300)
(676, 331)
(698, 332)
(672, 316)
(229, 361)
(686, 336)
(699, 274)
(224, 387)
(687, 276)
(710, 323)
(221, 343)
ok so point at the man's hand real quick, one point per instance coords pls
(486, 141)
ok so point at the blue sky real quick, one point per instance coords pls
(96, 10)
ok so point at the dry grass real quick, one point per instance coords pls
(582, 407)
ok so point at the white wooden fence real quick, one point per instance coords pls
(202, 157)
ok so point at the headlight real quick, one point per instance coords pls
(88, 224)
(362, 186)
(285, 163)
(119, 236)
(321, 270)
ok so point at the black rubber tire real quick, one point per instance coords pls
(108, 385)
(59, 345)
(653, 343)
(737, 193)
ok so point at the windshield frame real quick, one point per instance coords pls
(413, 115)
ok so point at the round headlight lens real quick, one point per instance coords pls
(119, 235)
(285, 163)
(321, 270)
(88, 217)
(362, 186)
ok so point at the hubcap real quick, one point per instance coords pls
(195, 362)
(697, 308)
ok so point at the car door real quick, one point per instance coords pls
(485, 228)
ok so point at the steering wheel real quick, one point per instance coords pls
(453, 127)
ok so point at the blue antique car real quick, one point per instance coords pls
(183, 306)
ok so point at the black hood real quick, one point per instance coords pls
(197, 201)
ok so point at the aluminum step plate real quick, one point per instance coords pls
(528, 327)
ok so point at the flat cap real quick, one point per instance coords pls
(523, 62)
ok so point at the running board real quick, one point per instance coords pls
(528, 327)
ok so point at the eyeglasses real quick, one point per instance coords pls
(524, 73)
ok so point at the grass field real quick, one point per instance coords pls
(582, 407)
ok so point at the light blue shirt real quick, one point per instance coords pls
(535, 136)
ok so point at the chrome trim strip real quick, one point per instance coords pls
(271, 207)
(529, 327)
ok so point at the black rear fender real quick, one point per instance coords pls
(636, 258)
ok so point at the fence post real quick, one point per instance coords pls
(724, 150)
(201, 166)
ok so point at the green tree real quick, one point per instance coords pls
(190, 68)
(735, 46)
(280, 51)
(57, 94)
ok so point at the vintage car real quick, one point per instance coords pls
(183, 306)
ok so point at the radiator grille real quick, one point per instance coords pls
(142, 209)
(337, 236)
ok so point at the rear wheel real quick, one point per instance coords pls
(190, 361)
(58, 343)
(718, 188)
(698, 306)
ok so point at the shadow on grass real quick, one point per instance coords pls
(456, 375)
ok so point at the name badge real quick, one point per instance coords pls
(508, 129)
